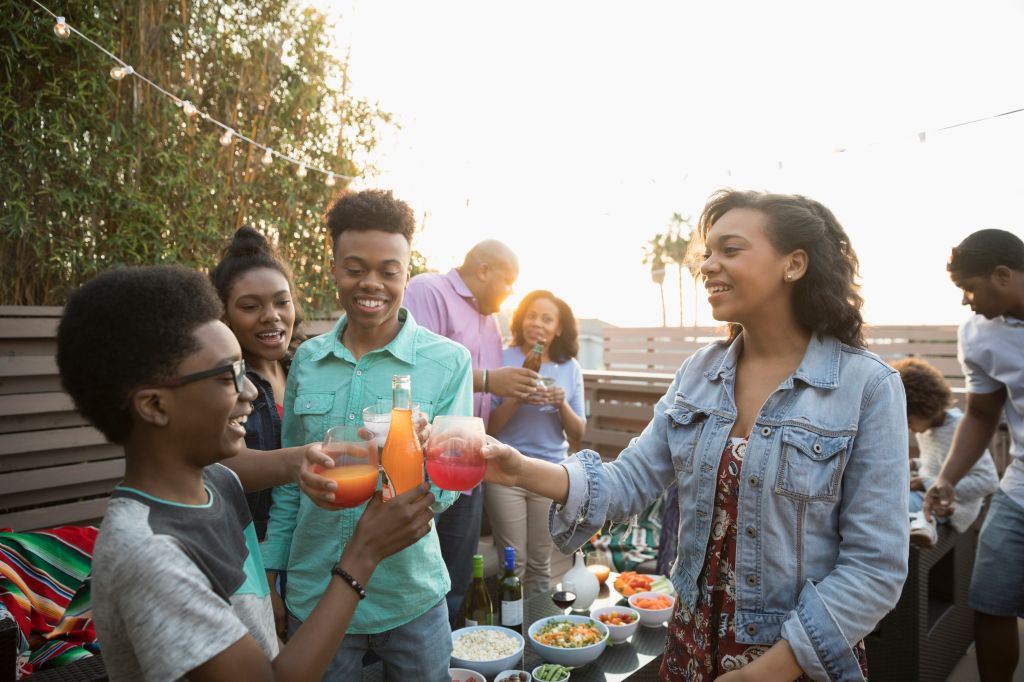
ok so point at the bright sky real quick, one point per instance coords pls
(573, 130)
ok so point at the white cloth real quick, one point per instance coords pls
(980, 481)
(992, 355)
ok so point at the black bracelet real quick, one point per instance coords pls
(344, 575)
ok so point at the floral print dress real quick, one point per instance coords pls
(702, 643)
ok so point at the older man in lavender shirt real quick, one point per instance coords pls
(461, 305)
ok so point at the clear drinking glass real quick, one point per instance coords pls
(453, 454)
(356, 464)
(377, 418)
(546, 382)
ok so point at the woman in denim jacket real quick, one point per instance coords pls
(788, 443)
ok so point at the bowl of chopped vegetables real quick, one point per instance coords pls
(551, 672)
(654, 607)
(621, 621)
(487, 649)
(568, 640)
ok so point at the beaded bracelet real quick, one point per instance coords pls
(353, 583)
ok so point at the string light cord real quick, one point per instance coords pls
(192, 110)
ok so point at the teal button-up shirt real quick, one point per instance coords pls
(326, 387)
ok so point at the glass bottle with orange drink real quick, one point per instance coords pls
(402, 458)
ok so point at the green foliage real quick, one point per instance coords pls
(99, 173)
(672, 247)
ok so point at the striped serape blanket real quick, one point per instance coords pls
(44, 584)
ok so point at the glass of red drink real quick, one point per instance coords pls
(453, 454)
(356, 464)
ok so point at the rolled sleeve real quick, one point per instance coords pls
(818, 642)
(585, 508)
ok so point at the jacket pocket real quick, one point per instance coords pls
(313, 410)
(683, 433)
(811, 465)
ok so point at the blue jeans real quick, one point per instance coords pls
(458, 531)
(915, 501)
(997, 584)
(419, 650)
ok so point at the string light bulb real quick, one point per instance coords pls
(225, 139)
(189, 108)
(301, 170)
(61, 28)
(330, 180)
(268, 158)
(119, 71)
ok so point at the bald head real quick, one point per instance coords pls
(489, 270)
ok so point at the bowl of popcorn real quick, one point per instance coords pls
(487, 649)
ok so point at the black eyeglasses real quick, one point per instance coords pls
(236, 368)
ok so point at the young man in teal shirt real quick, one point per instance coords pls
(404, 618)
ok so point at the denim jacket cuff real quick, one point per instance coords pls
(818, 643)
(586, 505)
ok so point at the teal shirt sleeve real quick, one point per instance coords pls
(284, 508)
(457, 401)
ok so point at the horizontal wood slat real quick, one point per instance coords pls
(85, 512)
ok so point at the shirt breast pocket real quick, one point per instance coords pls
(685, 426)
(811, 465)
(313, 411)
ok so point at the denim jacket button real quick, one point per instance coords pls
(752, 481)
(817, 448)
(752, 580)
(751, 532)
(766, 431)
(751, 629)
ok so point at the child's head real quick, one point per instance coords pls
(256, 288)
(144, 350)
(371, 232)
(928, 394)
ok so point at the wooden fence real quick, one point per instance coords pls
(55, 469)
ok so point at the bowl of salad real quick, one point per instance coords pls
(568, 640)
(621, 621)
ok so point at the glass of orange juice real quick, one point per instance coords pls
(356, 467)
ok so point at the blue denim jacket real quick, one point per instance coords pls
(822, 547)
(262, 432)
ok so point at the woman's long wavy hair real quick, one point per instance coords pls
(826, 300)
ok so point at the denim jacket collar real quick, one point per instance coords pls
(819, 367)
(402, 347)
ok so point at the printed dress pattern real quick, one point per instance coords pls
(702, 643)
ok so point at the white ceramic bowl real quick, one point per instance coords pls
(560, 679)
(618, 633)
(463, 675)
(652, 618)
(573, 658)
(505, 673)
(492, 667)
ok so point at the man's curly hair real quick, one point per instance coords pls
(370, 209)
(125, 329)
(928, 394)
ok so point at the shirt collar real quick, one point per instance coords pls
(1012, 321)
(402, 347)
(459, 285)
(819, 366)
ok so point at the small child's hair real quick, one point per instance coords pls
(249, 250)
(928, 394)
(125, 329)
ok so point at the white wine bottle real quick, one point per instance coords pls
(478, 601)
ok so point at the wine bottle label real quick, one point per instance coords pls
(512, 612)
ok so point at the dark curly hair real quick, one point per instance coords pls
(985, 250)
(826, 299)
(928, 394)
(249, 250)
(370, 209)
(125, 329)
(564, 346)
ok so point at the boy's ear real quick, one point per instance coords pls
(1002, 275)
(148, 406)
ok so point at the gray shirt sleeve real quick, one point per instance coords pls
(173, 620)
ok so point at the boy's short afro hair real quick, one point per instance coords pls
(369, 209)
(125, 329)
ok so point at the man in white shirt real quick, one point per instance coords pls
(988, 266)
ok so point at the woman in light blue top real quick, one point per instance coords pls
(788, 443)
(541, 426)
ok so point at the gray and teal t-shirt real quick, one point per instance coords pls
(175, 584)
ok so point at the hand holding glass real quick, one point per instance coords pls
(355, 469)
(545, 383)
(453, 454)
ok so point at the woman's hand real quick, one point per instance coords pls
(554, 395)
(504, 462)
(316, 487)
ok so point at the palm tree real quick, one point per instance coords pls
(676, 251)
(654, 255)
